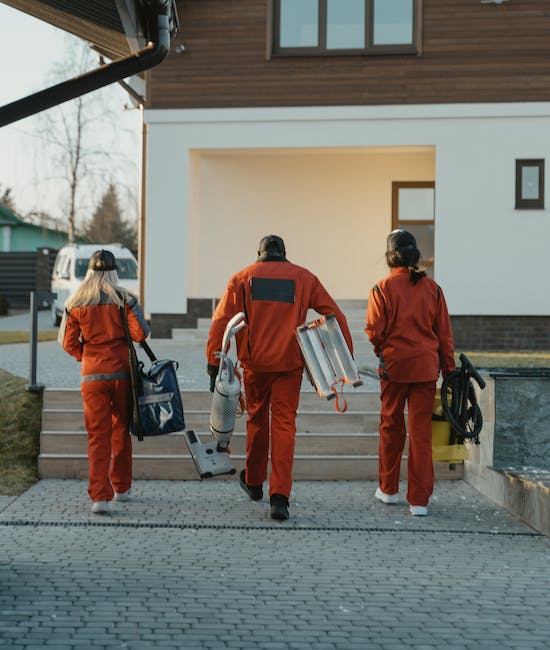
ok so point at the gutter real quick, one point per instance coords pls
(159, 14)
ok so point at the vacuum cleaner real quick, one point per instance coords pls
(212, 459)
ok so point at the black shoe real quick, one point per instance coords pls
(255, 492)
(279, 507)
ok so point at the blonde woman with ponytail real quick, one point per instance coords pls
(92, 331)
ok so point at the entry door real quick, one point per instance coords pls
(413, 209)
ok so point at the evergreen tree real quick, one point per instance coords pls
(107, 225)
(7, 200)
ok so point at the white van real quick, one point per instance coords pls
(71, 265)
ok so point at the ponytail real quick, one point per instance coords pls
(416, 273)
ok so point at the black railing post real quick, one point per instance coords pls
(37, 297)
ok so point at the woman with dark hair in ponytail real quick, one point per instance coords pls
(409, 327)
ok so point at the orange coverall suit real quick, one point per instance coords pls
(275, 297)
(410, 329)
(94, 335)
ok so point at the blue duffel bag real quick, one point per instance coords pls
(157, 400)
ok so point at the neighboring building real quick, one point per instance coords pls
(19, 236)
(331, 123)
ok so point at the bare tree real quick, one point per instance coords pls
(82, 139)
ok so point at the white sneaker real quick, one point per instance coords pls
(123, 496)
(419, 510)
(100, 507)
(386, 498)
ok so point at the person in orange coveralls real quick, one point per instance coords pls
(92, 331)
(274, 295)
(409, 326)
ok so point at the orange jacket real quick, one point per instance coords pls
(410, 328)
(94, 335)
(275, 297)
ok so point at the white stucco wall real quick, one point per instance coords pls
(490, 258)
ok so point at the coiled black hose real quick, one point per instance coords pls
(459, 402)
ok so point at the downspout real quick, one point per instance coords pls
(154, 53)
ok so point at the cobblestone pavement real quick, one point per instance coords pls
(197, 565)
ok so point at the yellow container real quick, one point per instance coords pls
(441, 436)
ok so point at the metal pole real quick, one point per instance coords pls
(32, 386)
(36, 298)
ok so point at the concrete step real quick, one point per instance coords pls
(306, 421)
(319, 444)
(57, 399)
(355, 315)
(329, 445)
(181, 467)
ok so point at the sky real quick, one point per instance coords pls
(29, 49)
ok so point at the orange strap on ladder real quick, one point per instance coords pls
(336, 393)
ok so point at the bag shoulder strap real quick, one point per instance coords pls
(143, 344)
(134, 372)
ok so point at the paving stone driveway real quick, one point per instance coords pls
(197, 565)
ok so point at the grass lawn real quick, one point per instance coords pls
(23, 337)
(515, 359)
(20, 421)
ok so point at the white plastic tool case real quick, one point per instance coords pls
(327, 358)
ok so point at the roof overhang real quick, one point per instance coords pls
(134, 34)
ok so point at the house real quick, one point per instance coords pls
(18, 235)
(332, 123)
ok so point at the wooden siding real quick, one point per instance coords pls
(471, 52)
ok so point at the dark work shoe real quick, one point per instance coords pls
(255, 492)
(279, 507)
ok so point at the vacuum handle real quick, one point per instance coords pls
(233, 326)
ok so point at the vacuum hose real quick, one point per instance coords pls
(459, 402)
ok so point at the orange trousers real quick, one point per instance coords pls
(420, 399)
(271, 402)
(106, 416)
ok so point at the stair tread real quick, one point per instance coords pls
(178, 456)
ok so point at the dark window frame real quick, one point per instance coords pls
(529, 204)
(396, 223)
(369, 49)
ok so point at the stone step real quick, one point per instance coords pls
(58, 399)
(181, 467)
(319, 444)
(306, 421)
(355, 315)
(329, 445)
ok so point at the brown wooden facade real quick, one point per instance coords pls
(470, 52)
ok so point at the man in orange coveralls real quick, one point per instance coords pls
(274, 295)
(409, 327)
(92, 332)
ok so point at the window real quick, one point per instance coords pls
(413, 209)
(325, 27)
(530, 184)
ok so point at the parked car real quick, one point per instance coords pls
(71, 265)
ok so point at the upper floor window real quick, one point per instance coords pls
(345, 26)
